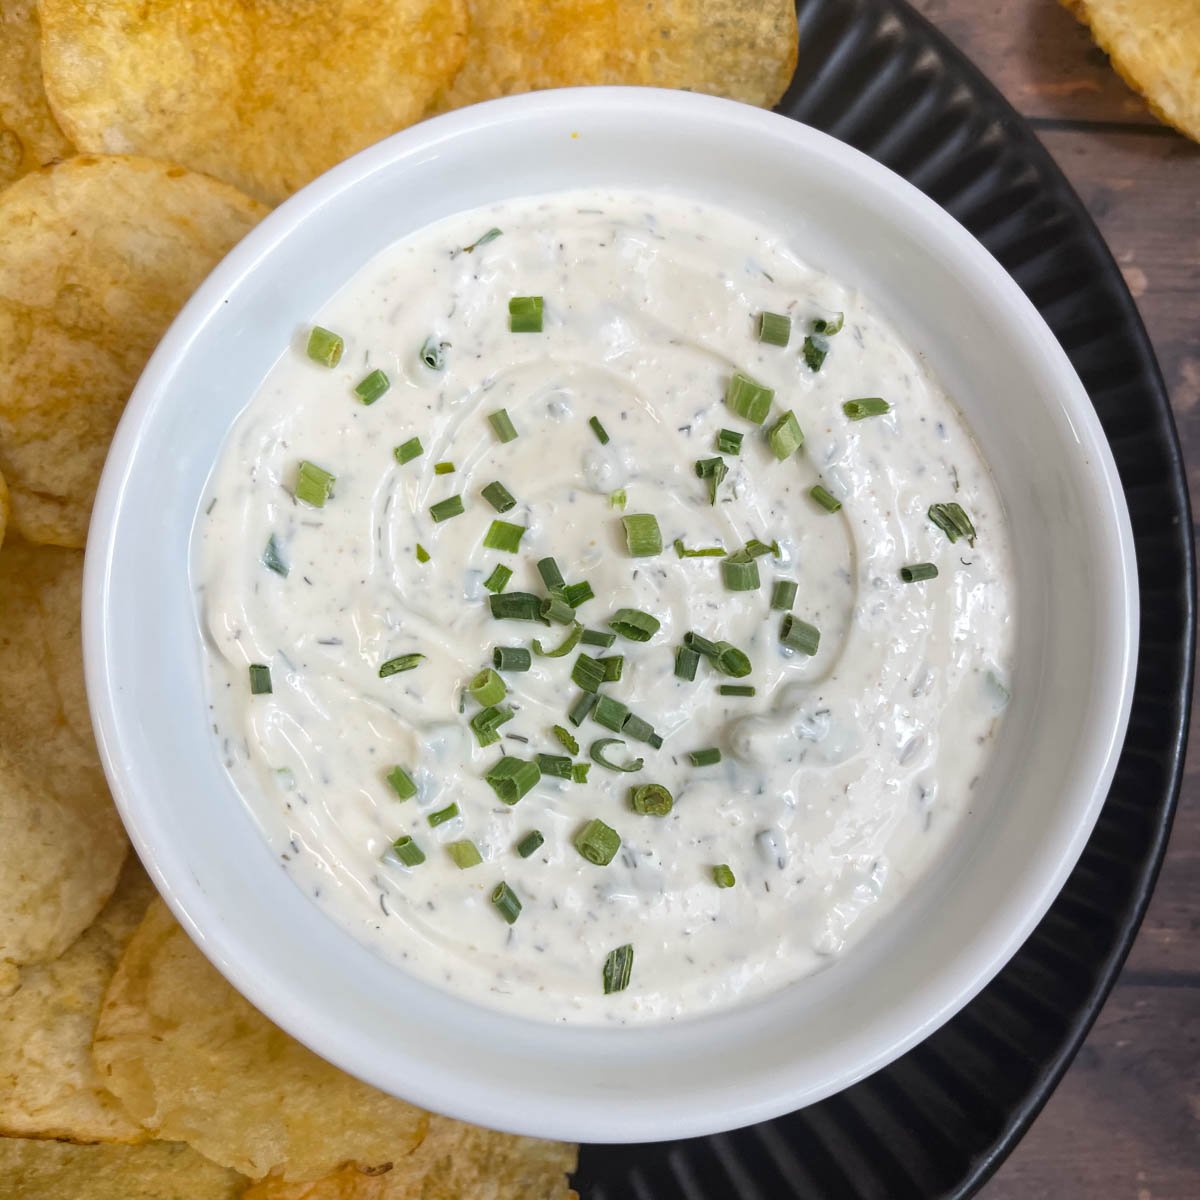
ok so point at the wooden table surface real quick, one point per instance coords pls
(1125, 1122)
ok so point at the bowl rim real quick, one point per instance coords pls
(592, 1118)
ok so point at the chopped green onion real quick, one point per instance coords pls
(465, 854)
(505, 901)
(314, 484)
(596, 752)
(272, 559)
(556, 765)
(774, 328)
(567, 738)
(740, 572)
(799, 635)
(443, 815)
(324, 346)
(815, 351)
(443, 468)
(563, 648)
(409, 450)
(729, 441)
(599, 430)
(693, 641)
(525, 314)
(634, 624)
(402, 662)
(580, 709)
(497, 581)
(613, 667)
(402, 783)
(703, 552)
(748, 399)
(486, 723)
(260, 679)
(588, 673)
(557, 610)
(579, 593)
(579, 772)
(598, 842)
(642, 535)
(785, 437)
(610, 713)
(408, 852)
(511, 658)
(686, 662)
(783, 595)
(511, 778)
(617, 499)
(651, 800)
(502, 424)
(723, 876)
(530, 843)
(422, 554)
(498, 496)
(433, 353)
(756, 549)
(443, 510)
(829, 325)
(551, 576)
(733, 689)
(866, 406)
(640, 730)
(828, 502)
(953, 521)
(705, 758)
(712, 471)
(487, 687)
(618, 967)
(597, 637)
(918, 572)
(372, 387)
(729, 660)
(491, 235)
(504, 535)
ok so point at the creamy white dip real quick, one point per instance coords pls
(841, 779)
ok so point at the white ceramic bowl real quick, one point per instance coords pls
(1052, 766)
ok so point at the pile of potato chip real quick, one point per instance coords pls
(139, 141)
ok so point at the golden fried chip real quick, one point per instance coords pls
(264, 95)
(48, 1081)
(3, 508)
(743, 49)
(454, 1162)
(1154, 46)
(29, 135)
(96, 257)
(40, 1170)
(192, 1061)
(61, 841)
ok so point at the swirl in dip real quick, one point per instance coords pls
(838, 780)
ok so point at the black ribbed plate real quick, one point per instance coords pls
(937, 1123)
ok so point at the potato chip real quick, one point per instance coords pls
(96, 257)
(264, 95)
(61, 841)
(3, 508)
(1154, 46)
(454, 1162)
(743, 49)
(29, 135)
(48, 1081)
(192, 1061)
(40, 1170)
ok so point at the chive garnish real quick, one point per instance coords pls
(740, 572)
(723, 876)
(498, 496)
(748, 399)
(324, 346)
(555, 609)
(866, 406)
(785, 437)
(599, 430)
(783, 595)
(756, 548)
(260, 679)
(422, 554)
(530, 843)
(694, 641)
(596, 753)
(314, 484)
(799, 635)
(815, 350)
(525, 314)
(433, 353)
(829, 325)
(651, 800)
(633, 624)
(557, 766)
(504, 535)
(443, 468)
(408, 852)
(701, 552)
(729, 441)
(582, 706)
(642, 535)
(505, 901)
(497, 581)
(491, 235)
(409, 450)
(402, 662)
(465, 854)
(828, 502)
(610, 713)
(272, 559)
(705, 758)
(587, 673)
(579, 593)
(712, 471)
(953, 521)
(552, 577)
(372, 386)
(511, 778)
(579, 772)
(597, 637)
(502, 424)
(618, 967)
(617, 499)
(511, 658)
(774, 328)
(486, 723)
(613, 667)
(639, 729)
(918, 572)
(567, 738)
(402, 783)
(731, 661)
(443, 510)
(443, 815)
(487, 687)
(598, 842)
(734, 689)
(564, 647)
(686, 662)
